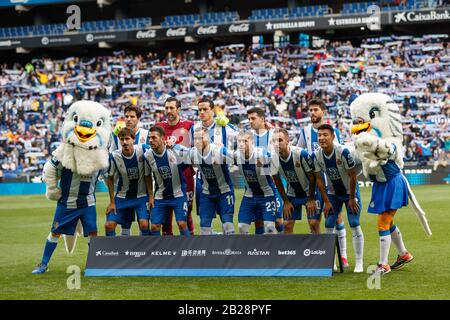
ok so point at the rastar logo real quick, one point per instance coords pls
(244, 27)
(180, 32)
(147, 34)
(207, 30)
(256, 252)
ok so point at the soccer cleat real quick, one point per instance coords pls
(381, 270)
(40, 269)
(402, 260)
(358, 267)
(344, 262)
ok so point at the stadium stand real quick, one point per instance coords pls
(205, 19)
(414, 70)
(286, 13)
(87, 26)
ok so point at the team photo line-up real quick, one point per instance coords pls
(151, 178)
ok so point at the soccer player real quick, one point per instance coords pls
(132, 116)
(340, 170)
(217, 195)
(177, 132)
(262, 138)
(259, 202)
(127, 166)
(77, 202)
(296, 166)
(170, 193)
(221, 136)
(309, 140)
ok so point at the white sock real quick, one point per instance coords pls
(342, 238)
(269, 227)
(205, 231)
(228, 228)
(243, 228)
(385, 244)
(329, 230)
(358, 243)
(125, 232)
(397, 239)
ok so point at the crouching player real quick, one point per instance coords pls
(167, 169)
(77, 202)
(296, 166)
(217, 194)
(259, 202)
(126, 165)
(340, 171)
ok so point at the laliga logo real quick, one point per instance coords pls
(146, 34)
(45, 41)
(180, 32)
(207, 30)
(309, 252)
(245, 27)
(89, 37)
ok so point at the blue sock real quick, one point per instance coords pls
(110, 233)
(185, 232)
(145, 232)
(259, 230)
(340, 226)
(280, 228)
(48, 251)
(155, 233)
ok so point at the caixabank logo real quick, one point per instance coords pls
(412, 16)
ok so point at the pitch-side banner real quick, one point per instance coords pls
(215, 255)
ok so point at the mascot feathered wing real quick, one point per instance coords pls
(85, 133)
(378, 137)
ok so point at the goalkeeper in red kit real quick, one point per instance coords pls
(177, 132)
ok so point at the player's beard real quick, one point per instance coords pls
(316, 119)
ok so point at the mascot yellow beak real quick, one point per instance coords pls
(360, 127)
(85, 134)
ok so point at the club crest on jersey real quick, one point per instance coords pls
(56, 225)
(339, 162)
(142, 140)
(297, 164)
(258, 163)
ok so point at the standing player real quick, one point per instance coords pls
(259, 202)
(308, 139)
(170, 193)
(221, 136)
(77, 202)
(262, 138)
(217, 195)
(132, 116)
(177, 132)
(340, 171)
(127, 167)
(296, 166)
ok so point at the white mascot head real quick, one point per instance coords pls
(378, 115)
(86, 132)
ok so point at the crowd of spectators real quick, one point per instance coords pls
(413, 70)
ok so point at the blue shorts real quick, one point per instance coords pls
(297, 203)
(223, 204)
(125, 210)
(390, 195)
(257, 208)
(337, 202)
(66, 220)
(160, 212)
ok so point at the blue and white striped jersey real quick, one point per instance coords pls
(141, 138)
(214, 168)
(220, 136)
(295, 170)
(256, 172)
(336, 167)
(129, 173)
(309, 138)
(263, 140)
(77, 191)
(387, 171)
(167, 169)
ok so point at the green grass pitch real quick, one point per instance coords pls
(25, 223)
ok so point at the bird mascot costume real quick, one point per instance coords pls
(77, 165)
(378, 137)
